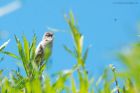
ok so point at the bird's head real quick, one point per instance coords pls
(48, 36)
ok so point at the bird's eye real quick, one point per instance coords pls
(47, 35)
(50, 35)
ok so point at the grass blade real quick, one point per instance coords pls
(26, 48)
(69, 51)
(10, 54)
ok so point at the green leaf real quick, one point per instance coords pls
(33, 48)
(69, 51)
(85, 55)
(36, 86)
(72, 17)
(73, 85)
(20, 49)
(22, 56)
(60, 83)
(48, 86)
(42, 68)
(11, 54)
(26, 48)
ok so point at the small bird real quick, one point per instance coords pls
(44, 48)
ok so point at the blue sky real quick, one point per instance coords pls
(108, 27)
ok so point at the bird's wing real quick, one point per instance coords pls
(39, 54)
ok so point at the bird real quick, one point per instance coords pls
(44, 48)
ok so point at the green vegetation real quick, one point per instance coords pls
(106, 83)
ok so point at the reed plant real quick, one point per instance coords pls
(108, 82)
